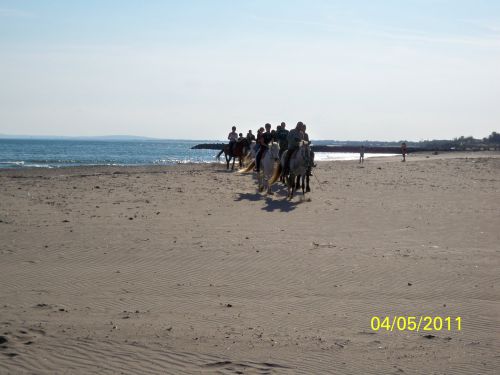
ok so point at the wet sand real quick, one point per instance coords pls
(187, 269)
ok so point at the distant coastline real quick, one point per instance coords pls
(491, 143)
(354, 148)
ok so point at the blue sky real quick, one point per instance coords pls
(387, 70)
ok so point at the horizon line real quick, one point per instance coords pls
(146, 138)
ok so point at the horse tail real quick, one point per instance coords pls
(248, 168)
(247, 159)
(219, 154)
(276, 174)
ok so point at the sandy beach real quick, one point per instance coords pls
(187, 269)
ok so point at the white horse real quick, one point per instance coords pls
(251, 153)
(267, 167)
(299, 164)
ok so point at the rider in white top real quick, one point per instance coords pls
(233, 138)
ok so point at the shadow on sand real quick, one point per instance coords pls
(281, 204)
(253, 197)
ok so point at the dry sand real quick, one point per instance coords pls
(187, 269)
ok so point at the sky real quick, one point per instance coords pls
(351, 70)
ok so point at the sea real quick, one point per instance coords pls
(57, 153)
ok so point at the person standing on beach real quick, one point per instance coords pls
(362, 154)
(404, 151)
(233, 138)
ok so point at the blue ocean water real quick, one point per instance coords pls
(42, 153)
(22, 153)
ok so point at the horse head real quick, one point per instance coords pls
(305, 149)
(274, 150)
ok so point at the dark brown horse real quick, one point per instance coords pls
(240, 150)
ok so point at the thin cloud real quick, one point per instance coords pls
(412, 35)
(492, 40)
(490, 26)
(487, 42)
(292, 21)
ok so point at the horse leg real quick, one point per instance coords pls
(268, 186)
(308, 189)
(291, 184)
(227, 160)
(297, 184)
(288, 186)
(303, 185)
(260, 181)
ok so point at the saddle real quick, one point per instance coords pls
(306, 155)
(294, 152)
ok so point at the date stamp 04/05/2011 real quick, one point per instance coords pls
(416, 323)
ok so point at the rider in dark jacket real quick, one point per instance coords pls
(282, 135)
(294, 137)
(264, 140)
(311, 152)
(250, 136)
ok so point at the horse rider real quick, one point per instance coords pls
(257, 140)
(264, 140)
(311, 152)
(250, 136)
(233, 138)
(273, 136)
(295, 136)
(282, 135)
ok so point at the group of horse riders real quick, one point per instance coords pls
(287, 140)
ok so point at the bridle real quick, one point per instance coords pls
(274, 150)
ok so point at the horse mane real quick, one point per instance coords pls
(243, 142)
